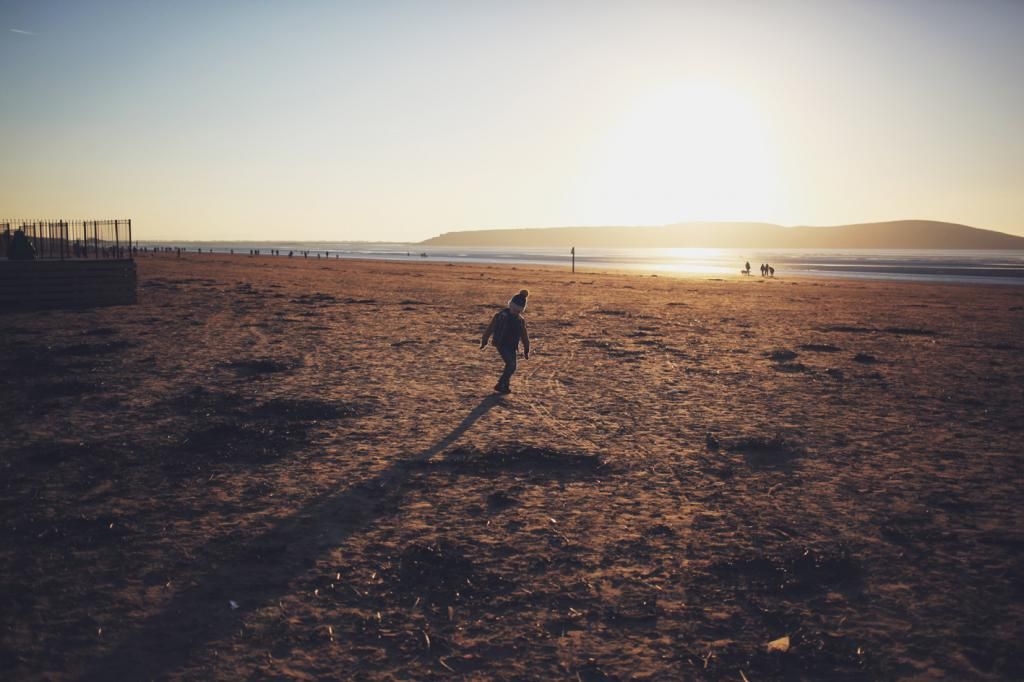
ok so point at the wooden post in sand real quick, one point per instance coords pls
(573, 252)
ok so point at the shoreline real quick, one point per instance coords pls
(940, 266)
(413, 261)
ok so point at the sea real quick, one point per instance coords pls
(981, 267)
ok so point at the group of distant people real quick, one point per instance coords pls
(252, 252)
(766, 270)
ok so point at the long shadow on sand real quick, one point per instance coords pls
(260, 573)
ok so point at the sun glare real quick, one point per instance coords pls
(691, 151)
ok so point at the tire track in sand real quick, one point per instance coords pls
(554, 389)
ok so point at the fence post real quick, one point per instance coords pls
(96, 239)
(131, 254)
(117, 241)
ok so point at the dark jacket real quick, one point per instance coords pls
(508, 331)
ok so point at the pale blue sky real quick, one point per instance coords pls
(401, 120)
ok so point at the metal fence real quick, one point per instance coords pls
(70, 239)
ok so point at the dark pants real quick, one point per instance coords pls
(509, 356)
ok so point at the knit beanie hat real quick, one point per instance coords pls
(518, 302)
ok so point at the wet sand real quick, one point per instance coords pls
(297, 468)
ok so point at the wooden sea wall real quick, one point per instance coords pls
(48, 284)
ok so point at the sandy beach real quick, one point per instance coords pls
(289, 468)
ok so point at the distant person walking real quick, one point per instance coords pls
(506, 330)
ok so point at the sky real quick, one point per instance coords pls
(310, 120)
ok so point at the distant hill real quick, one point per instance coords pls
(897, 234)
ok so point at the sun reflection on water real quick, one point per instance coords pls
(696, 260)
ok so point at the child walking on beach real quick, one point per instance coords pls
(509, 328)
